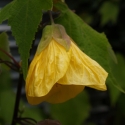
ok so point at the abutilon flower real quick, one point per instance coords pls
(60, 70)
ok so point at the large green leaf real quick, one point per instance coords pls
(72, 112)
(24, 21)
(90, 41)
(4, 45)
(94, 44)
(7, 100)
(5, 12)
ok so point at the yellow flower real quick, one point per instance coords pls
(60, 70)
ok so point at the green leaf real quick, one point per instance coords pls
(5, 12)
(94, 44)
(109, 12)
(31, 111)
(4, 45)
(114, 94)
(119, 70)
(7, 98)
(112, 54)
(24, 21)
(72, 112)
(115, 76)
(119, 73)
(91, 42)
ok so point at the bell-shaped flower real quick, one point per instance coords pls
(60, 70)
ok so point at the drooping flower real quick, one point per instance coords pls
(60, 70)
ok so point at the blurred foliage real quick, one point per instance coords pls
(109, 12)
(4, 45)
(30, 111)
(72, 112)
(91, 42)
(26, 15)
(7, 102)
(6, 98)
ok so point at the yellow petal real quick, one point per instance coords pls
(58, 94)
(46, 69)
(84, 71)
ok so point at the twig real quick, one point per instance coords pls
(10, 64)
(15, 62)
(51, 17)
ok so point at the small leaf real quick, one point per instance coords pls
(24, 21)
(90, 41)
(72, 112)
(4, 45)
(5, 12)
(109, 12)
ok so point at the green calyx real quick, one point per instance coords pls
(56, 32)
(60, 36)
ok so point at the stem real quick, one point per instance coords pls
(18, 95)
(51, 18)
(10, 65)
(10, 57)
(26, 118)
